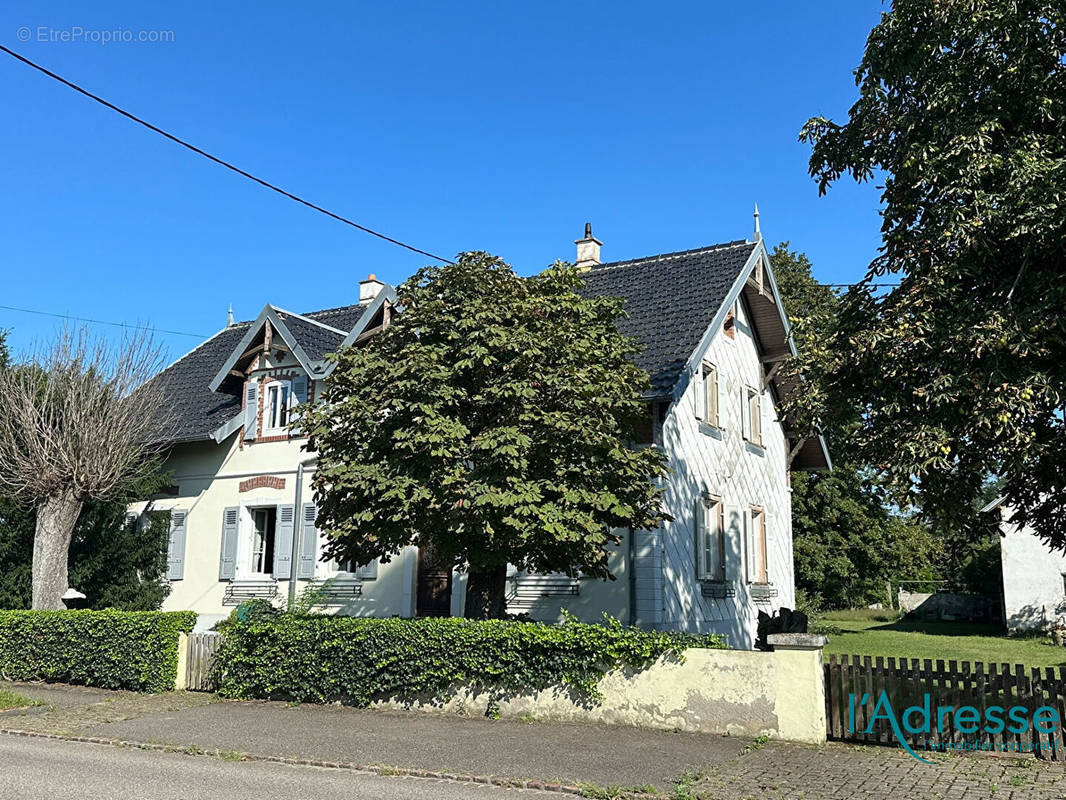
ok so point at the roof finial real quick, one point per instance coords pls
(229, 317)
(758, 233)
(588, 230)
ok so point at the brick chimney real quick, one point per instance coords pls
(588, 250)
(369, 289)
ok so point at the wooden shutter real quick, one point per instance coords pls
(745, 413)
(756, 418)
(701, 411)
(283, 542)
(299, 388)
(308, 555)
(723, 402)
(699, 538)
(762, 547)
(710, 393)
(251, 409)
(750, 553)
(176, 548)
(720, 539)
(368, 572)
(227, 562)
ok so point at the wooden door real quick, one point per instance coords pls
(434, 585)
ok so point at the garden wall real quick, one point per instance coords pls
(736, 692)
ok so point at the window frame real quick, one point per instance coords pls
(251, 563)
(761, 573)
(711, 536)
(709, 379)
(753, 410)
(274, 389)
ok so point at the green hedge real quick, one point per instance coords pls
(135, 650)
(321, 659)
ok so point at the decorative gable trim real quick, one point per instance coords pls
(269, 314)
(386, 295)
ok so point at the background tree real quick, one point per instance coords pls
(116, 563)
(959, 373)
(850, 538)
(489, 423)
(76, 424)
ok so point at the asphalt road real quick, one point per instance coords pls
(57, 770)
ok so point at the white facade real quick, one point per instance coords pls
(725, 555)
(1034, 578)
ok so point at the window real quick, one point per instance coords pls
(365, 572)
(278, 402)
(711, 412)
(710, 538)
(758, 571)
(753, 415)
(264, 527)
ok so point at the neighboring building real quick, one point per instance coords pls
(1034, 575)
(715, 335)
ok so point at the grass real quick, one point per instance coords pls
(10, 700)
(866, 632)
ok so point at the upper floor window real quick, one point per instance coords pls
(277, 406)
(753, 415)
(709, 400)
(729, 327)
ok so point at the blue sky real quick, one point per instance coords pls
(455, 126)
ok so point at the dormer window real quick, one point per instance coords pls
(278, 403)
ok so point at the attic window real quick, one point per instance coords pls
(278, 401)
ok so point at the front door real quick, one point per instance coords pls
(434, 585)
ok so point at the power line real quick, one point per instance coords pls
(849, 285)
(217, 160)
(100, 321)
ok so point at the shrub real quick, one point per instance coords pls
(356, 660)
(135, 650)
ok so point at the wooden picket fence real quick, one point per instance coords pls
(948, 683)
(201, 660)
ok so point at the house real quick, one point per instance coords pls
(1034, 575)
(715, 335)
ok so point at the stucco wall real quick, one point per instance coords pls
(735, 692)
(1034, 596)
(721, 462)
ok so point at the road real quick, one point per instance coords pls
(58, 770)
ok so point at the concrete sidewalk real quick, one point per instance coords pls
(706, 766)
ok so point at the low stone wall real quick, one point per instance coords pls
(736, 692)
(947, 606)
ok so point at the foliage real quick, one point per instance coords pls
(490, 422)
(850, 539)
(136, 650)
(848, 543)
(320, 659)
(115, 563)
(959, 372)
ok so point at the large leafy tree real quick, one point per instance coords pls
(959, 373)
(489, 423)
(851, 541)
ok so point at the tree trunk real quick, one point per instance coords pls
(485, 593)
(56, 517)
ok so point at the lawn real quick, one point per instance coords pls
(867, 633)
(10, 699)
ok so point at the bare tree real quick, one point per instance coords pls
(79, 420)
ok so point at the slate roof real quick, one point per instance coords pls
(315, 339)
(671, 299)
(198, 411)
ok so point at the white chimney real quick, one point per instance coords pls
(588, 249)
(369, 289)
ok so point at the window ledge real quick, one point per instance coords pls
(712, 430)
(717, 589)
(754, 449)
